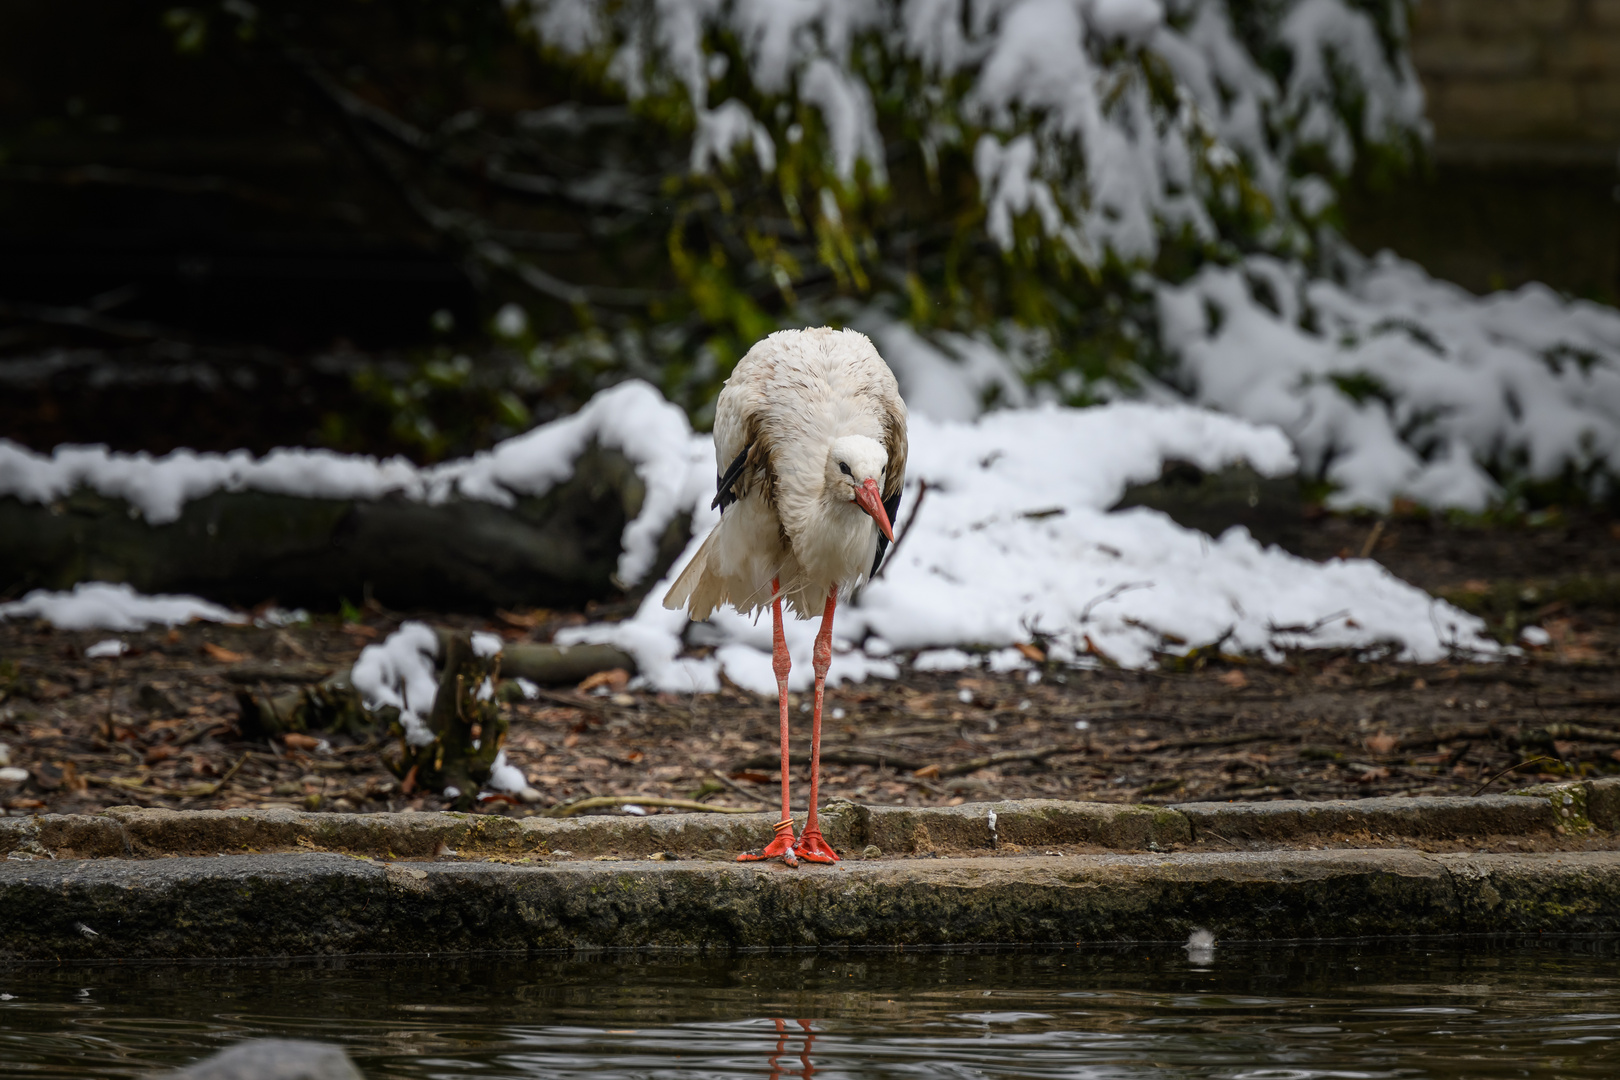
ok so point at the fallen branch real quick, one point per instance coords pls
(251, 673)
(554, 550)
(1006, 756)
(835, 757)
(561, 664)
(1212, 740)
(600, 802)
(731, 785)
(191, 791)
(1568, 732)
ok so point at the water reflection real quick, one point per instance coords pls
(1393, 1010)
(809, 1070)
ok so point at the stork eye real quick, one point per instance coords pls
(843, 468)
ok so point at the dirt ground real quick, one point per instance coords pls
(157, 726)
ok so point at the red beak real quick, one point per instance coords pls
(871, 500)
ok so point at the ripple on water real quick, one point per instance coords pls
(1347, 1011)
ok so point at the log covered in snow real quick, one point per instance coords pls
(556, 549)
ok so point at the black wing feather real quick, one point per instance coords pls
(725, 491)
(891, 506)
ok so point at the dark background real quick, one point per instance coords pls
(194, 252)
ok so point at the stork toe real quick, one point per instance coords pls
(781, 847)
(813, 847)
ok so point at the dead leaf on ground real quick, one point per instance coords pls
(614, 679)
(927, 772)
(1235, 679)
(1383, 743)
(525, 620)
(1032, 652)
(1369, 775)
(222, 654)
(360, 628)
(297, 740)
(71, 778)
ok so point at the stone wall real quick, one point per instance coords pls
(1522, 182)
(1521, 78)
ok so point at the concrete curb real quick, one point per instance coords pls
(1547, 811)
(317, 903)
(159, 884)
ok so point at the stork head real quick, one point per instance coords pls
(855, 465)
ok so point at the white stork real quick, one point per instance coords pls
(810, 454)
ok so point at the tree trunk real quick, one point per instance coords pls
(556, 550)
(468, 729)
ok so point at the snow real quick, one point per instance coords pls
(110, 648)
(943, 660)
(1062, 85)
(98, 605)
(1014, 538)
(399, 671)
(511, 321)
(1524, 381)
(631, 417)
(719, 130)
(504, 776)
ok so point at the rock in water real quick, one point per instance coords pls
(271, 1059)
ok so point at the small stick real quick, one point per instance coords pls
(597, 802)
(228, 774)
(736, 788)
(1373, 537)
(905, 530)
(1507, 770)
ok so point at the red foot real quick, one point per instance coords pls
(812, 847)
(780, 847)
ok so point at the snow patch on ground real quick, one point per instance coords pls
(1013, 538)
(1398, 384)
(504, 776)
(98, 605)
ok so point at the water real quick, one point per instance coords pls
(1474, 1010)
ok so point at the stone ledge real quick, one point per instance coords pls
(1435, 818)
(327, 904)
(1546, 812)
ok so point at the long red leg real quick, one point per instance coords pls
(812, 845)
(781, 845)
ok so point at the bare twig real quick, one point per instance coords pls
(905, 530)
(876, 759)
(1373, 537)
(1118, 590)
(736, 788)
(1507, 770)
(1006, 756)
(600, 802)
